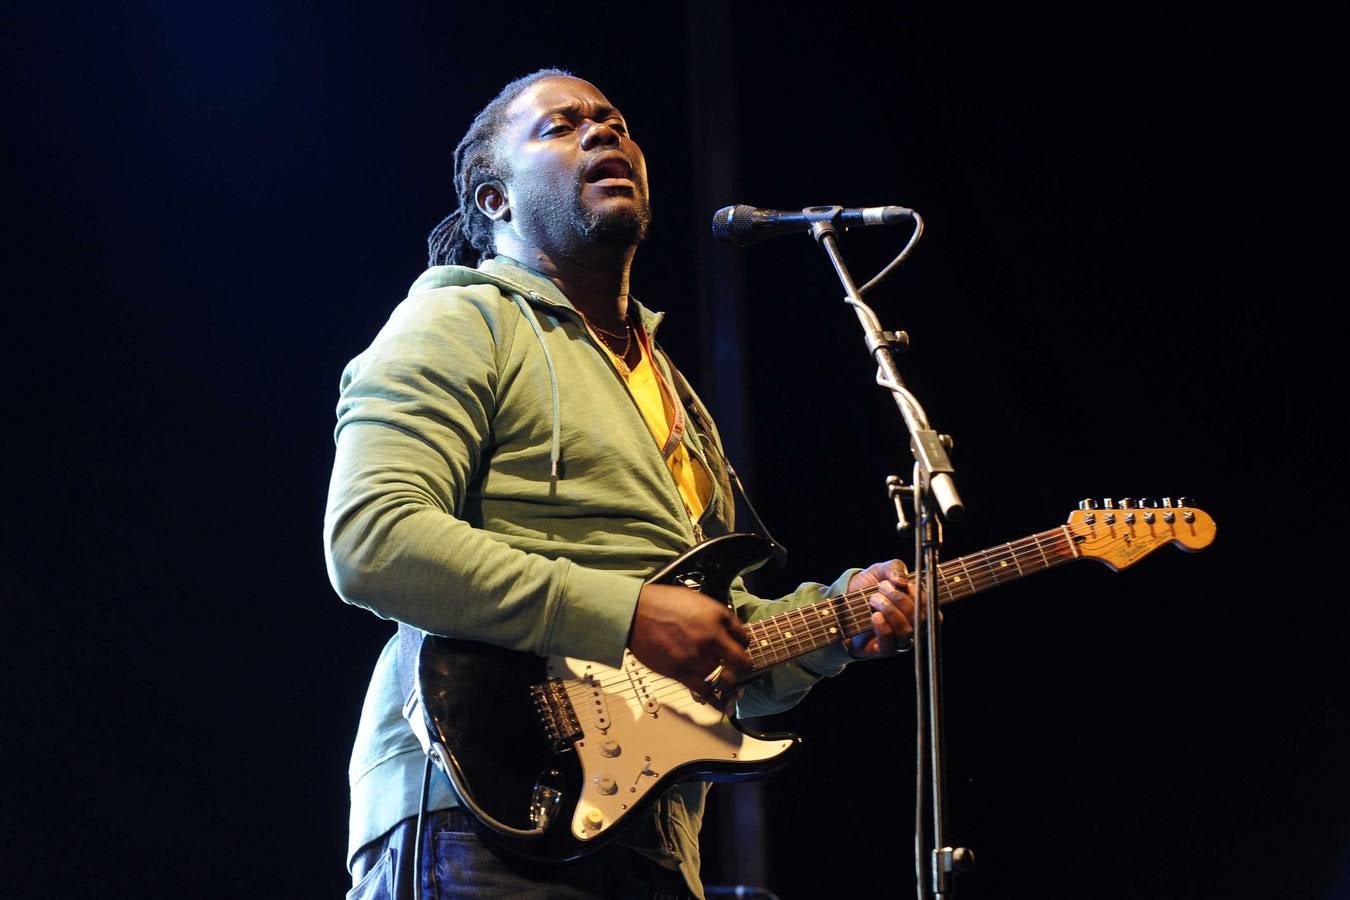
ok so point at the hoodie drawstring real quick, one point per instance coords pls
(555, 448)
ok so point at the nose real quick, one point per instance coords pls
(598, 134)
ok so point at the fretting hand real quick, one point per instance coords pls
(892, 605)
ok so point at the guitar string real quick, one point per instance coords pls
(778, 645)
(786, 644)
(662, 688)
(781, 648)
(858, 619)
(994, 559)
(769, 646)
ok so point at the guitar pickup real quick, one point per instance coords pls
(557, 717)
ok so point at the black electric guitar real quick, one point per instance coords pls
(554, 755)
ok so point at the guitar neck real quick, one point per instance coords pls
(806, 628)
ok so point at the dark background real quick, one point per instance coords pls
(211, 209)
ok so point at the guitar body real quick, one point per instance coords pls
(553, 756)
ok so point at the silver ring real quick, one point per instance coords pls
(714, 675)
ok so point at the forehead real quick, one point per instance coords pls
(552, 94)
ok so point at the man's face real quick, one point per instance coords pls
(575, 176)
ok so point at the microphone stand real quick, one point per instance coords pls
(932, 487)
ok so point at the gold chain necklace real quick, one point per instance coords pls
(620, 355)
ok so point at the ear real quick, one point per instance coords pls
(490, 198)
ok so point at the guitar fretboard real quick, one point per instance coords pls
(806, 628)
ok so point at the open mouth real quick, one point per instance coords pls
(610, 171)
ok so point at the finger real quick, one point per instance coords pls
(732, 650)
(718, 689)
(891, 570)
(900, 597)
(734, 658)
(737, 628)
(724, 692)
(893, 631)
(878, 643)
(898, 611)
(896, 571)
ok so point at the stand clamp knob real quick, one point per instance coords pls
(955, 859)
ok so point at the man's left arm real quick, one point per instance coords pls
(784, 685)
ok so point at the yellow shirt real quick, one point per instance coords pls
(654, 402)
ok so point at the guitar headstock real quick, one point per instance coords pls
(1120, 533)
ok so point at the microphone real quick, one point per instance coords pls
(741, 225)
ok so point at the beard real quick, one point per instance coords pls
(567, 223)
(624, 227)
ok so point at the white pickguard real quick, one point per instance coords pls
(636, 727)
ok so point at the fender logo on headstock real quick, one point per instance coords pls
(1120, 536)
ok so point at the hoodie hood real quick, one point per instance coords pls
(530, 291)
(515, 278)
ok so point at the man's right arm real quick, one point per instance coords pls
(413, 420)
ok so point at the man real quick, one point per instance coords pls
(514, 456)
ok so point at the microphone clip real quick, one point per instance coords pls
(824, 220)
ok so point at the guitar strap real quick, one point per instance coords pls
(409, 646)
(712, 444)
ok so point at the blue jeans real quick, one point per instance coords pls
(457, 864)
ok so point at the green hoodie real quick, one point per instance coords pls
(494, 480)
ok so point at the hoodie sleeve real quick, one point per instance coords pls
(783, 686)
(414, 422)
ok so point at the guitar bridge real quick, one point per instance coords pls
(557, 717)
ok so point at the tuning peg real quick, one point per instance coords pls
(1147, 503)
(1087, 504)
(1127, 503)
(1185, 501)
(1167, 501)
(1108, 503)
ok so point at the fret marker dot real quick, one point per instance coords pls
(956, 578)
(764, 643)
(833, 629)
(1003, 565)
(787, 634)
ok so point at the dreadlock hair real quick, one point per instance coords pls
(464, 237)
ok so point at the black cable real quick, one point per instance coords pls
(417, 841)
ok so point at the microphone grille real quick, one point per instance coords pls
(730, 223)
